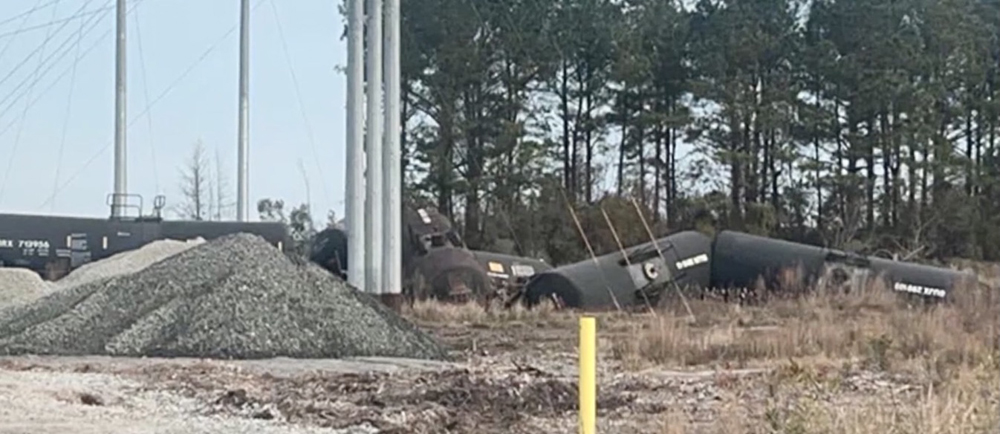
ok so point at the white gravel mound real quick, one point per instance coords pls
(20, 285)
(236, 297)
(126, 262)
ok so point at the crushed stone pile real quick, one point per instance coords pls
(126, 262)
(234, 297)
(20, 285)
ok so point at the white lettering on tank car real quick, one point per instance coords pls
(919, 290)
(33, 244)
(6, 244)
(692, 261)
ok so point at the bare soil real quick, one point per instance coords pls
(515, 376)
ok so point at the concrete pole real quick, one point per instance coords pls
(243, 134)
(392, 267)
(355, 146)
(121, 157)
(374, 228)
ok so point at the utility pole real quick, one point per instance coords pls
(355, 146)
(243, 135)
(374, 217)
(392, 267)
(121, 157)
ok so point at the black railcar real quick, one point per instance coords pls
(509, 274)
(328, 249)
(55, 245)
(424, 231)
(745, 261)
(741, 260)
(633, 278)
(921, 280)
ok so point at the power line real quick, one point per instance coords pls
(146, 109)
(69, 107)
(24, 113)
(32, 54)
(298, 97)
(145, 92)
(26, 15)
(39, 78)
(65, 20)
(28, 12)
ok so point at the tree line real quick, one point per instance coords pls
(862, 124)
(868, 125)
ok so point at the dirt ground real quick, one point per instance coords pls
(829, 365)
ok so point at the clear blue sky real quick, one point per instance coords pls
(203, 106)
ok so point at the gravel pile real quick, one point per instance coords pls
(20, 285)
(126, 262)
(234, 297)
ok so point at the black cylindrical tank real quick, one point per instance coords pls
(328, 249)
(447, 273)
(509, 267)
(508, 273)
(918, 279)
(739, 260)
(53, 245)
(628, 279)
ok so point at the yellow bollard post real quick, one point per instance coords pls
(588, 375)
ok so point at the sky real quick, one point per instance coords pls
(63, 126)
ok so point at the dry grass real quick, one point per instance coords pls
(945, 360)
(874, 326)
(865, 362)
(472, 313)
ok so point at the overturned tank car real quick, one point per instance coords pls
(449, 274)
(742, 261)
(634, 278)
(753, 264)
(329, 250)
(920, 280)
(508, 274)
(435, 262)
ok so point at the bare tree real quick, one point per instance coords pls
(196, 186)
(205, 188)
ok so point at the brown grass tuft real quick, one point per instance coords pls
(950, 354)
(431, 311)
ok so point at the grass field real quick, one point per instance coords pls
(824, 363)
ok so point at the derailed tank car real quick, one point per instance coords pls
(435, 263)
(633, 278)
(448, 274)
(329, 250)
(920, 280)
(742, 260)
(509, 274)
(746, 261)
